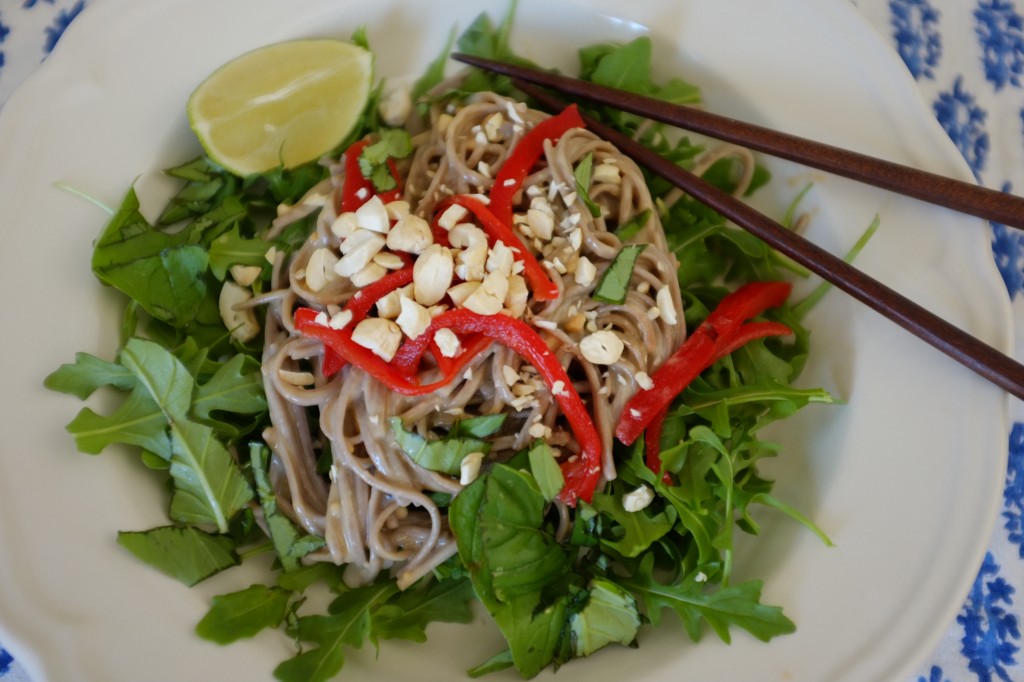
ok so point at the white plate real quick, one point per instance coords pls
(905, 477)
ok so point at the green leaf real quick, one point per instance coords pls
(394, 143)
(501, 534)
(638, 530)
(479, 427)
(514, 561)
(499, 661)
(236, 387)
(87, 374)
(283, 533)
(610, 616)
(633, 226)
(244, 613)
(626, 68)
(231, 249)
(186, 554)
(545, 470)
(161, 374)
(208, 486)
(434, 73)
(614, 283)
(348, 624)
(408, 613)
(156, 269)
(582, 173)
(444, 455)
(138, 420)
(738, 605)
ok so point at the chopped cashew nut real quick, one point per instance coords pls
(410, 234)
(665, 305)
(245, 275)
(602, 347)
(320, 269)
(414, 318)
(637, 499)
(240, 321)
(447, 342)
(469, 468)
(432, 274)
(359, 248)
(378, 335)
(373, 216)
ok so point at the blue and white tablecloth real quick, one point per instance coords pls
(967, 57)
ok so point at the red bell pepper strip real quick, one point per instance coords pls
(725, 346)
(356, 189)
(360, 304)
(711, 340)
(524, 157)
(582, 473)
(542, 287)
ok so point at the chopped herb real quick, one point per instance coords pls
(614, 283)
(582, 173)
(394, 143)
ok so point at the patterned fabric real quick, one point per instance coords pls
(967, 57)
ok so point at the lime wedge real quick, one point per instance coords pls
(284, 104)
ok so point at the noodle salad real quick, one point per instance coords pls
(476, 354)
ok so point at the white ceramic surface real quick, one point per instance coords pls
(905, 477)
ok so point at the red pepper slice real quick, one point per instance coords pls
(582, 473)
(746, 333)
(542, 287)
(711, 340)
(525, 156)
(357, 190)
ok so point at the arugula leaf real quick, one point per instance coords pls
(208, 487)
(626, 68)
(738, 605)
(638, 530)
(283, 533)
(434, 73)
(87, 374)
(236, 387)
(158, 270)
(231, 248)
(407, 614)
(186, 554)
(244, 613)
(348, 623)
(138, 420)
(582, 173)
(614, 283)
(444, 455)
(610, 616)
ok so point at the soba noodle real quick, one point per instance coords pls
(377, 509)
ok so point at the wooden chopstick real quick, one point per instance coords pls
(990, 363)
(1000, 207)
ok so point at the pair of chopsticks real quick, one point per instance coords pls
(990, 363)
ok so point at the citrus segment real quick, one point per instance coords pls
(284, 104)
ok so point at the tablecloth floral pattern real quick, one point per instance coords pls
(967, 57)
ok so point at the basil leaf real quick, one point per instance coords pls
(479, 427)
(610, 616)
(583, 172)
(614, 283)
(545, 470)
(632, 227)
(444, 455)
(284, 535)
